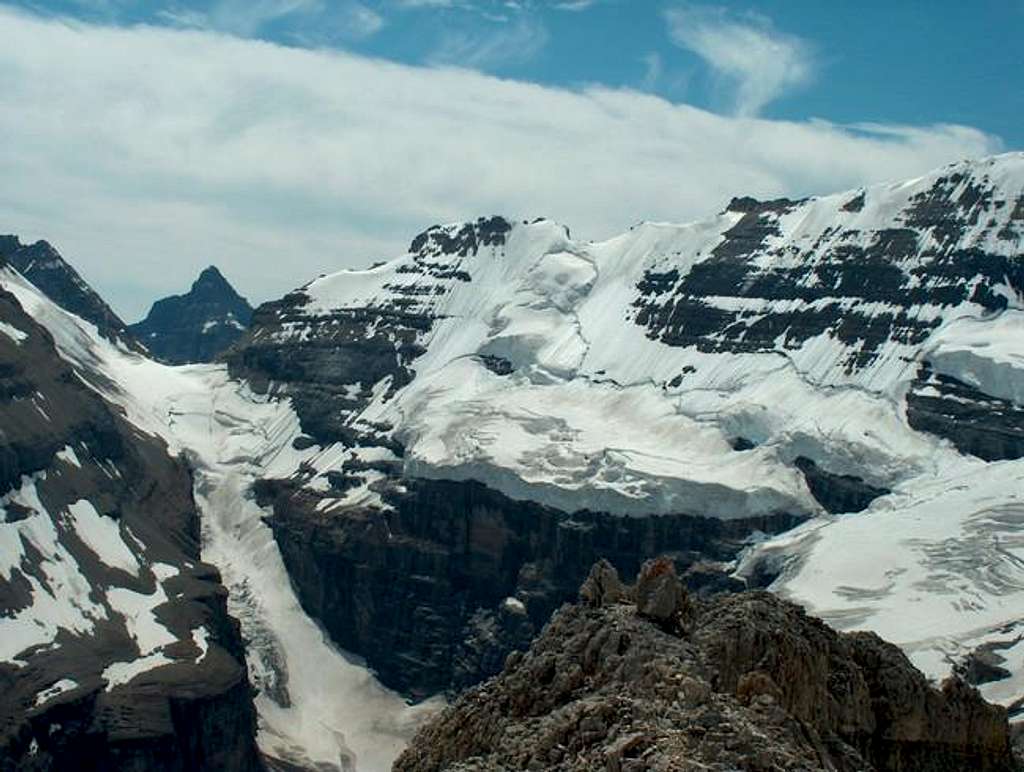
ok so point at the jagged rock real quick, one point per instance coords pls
(602, 585)
(660, 596)
(756, 685)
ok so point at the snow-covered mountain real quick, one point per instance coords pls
(486, 402)
(423, 460)
(196, 326)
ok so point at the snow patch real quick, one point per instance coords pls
(60, 687)
(13, 332)
(102, 535)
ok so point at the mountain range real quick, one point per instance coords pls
(424, 459)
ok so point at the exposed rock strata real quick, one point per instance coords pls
(746, 681)
(975, 422)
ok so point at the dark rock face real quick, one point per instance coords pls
(976, 423)
(42, 265)
(406, 588)
(362, 345)
(196, 326)
(750, 682)
(464, 241)
(985, 664)
(838, 493)
(194, 712)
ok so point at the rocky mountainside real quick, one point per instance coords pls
(42, 265)
(196, 326)
(116, 648)
(487, 414)
(646, 678)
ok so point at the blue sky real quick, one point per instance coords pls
(280, 139)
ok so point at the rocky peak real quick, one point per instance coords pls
(212, 282)
(751, 682)
(196, 326)
(461, 239)
(750, 205)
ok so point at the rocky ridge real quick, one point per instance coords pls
(647, 678)
(43, 265)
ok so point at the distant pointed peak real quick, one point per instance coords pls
(211, 278)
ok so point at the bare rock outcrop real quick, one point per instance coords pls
(745, 681)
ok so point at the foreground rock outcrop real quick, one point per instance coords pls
(647, 678)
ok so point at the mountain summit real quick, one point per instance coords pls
(198, 325)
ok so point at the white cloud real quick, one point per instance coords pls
(145, 154)
(761, 62)
(247, 17)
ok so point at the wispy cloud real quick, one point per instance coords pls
(653, 71)
(281, 163)
(491, 46)
(573, 5)
(760, 62)
(309, 22)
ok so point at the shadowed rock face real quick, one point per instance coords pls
(744, 681)
(62, 707)
(406, 588)
(196, 326)
(838, 493)
(42, 265)
(977, 423)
